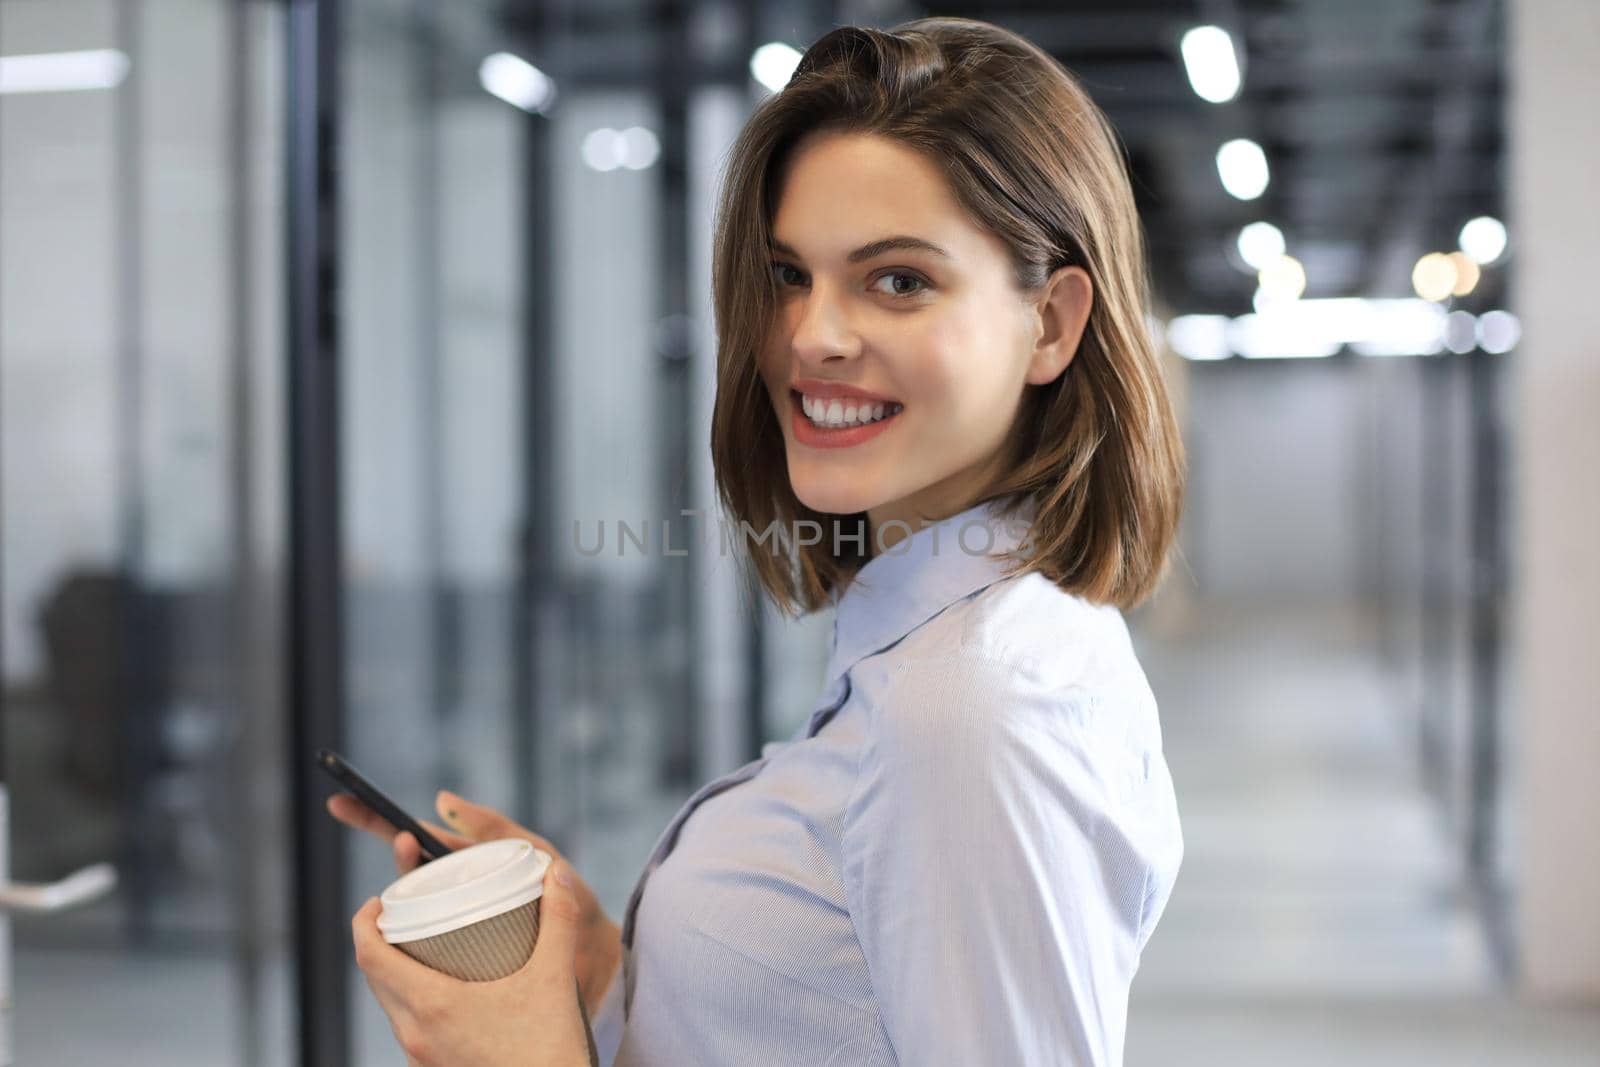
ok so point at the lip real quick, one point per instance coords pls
(837, 390)
(808, 433)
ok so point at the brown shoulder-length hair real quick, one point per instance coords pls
(1034, 161)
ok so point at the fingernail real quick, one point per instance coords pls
(448, 801)
(563, 875)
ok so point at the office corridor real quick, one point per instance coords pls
(1318, 918)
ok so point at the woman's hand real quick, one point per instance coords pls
(528, 1019)
(599, 949)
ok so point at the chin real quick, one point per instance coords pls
(827, 496)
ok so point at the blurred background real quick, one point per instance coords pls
(333, 329)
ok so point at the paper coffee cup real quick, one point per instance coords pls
(473, 914)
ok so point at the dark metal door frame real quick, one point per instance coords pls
(314, 618)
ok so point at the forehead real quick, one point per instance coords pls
(841, 189)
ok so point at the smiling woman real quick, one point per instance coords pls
(930, 295)
(939, 218)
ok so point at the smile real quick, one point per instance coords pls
(839, 412)
(839, 421)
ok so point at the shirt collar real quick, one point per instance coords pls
(916, 579)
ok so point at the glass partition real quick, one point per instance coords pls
(141, 436)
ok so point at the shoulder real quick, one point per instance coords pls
(1030, 624)
(1020, 657)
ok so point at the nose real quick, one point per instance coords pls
(823, 332)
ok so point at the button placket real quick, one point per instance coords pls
(838, 693)
(669, 836)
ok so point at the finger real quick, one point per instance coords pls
(353, 813)
(407, 852)
(402, 978)
(555, 953)
(482, 823)
(366, 936)
(350, 811)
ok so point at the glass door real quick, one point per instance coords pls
(139, 525)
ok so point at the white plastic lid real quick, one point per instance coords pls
(467, 886)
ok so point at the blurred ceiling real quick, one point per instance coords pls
(1380, 119)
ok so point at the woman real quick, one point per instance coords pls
(930, 293)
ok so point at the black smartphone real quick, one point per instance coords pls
(373, 797)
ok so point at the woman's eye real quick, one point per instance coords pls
(895, 290)
(785, 274)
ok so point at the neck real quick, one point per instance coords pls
(899, 519)
(889, 525)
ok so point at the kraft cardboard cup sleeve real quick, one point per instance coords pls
(473, 914)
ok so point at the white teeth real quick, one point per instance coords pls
(838, 413)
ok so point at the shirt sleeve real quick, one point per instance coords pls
(606, 1026)
(997, 865)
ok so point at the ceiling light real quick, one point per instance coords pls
(1209, 60)
(1282, 279)
(1483, 238)
(1460, 332)
(1498, 331)
(640, 147)
(1467, 273)
(1316, 328)
(1242, 166)
(60, 72)
(1400, 328)
(1277, 333)
(1199, 337)
(603, 149)
(1260, 243)
(1434, 276)
(517, 82)
(773, 64)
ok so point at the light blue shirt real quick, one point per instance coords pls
(957, 860)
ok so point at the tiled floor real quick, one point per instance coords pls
(1316, 921)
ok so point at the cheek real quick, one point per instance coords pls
(958, 369)
(933, 381)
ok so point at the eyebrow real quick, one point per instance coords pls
(898, 243)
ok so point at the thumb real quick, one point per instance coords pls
(555, 953)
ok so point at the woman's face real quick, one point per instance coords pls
(911, 356)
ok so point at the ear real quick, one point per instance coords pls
(1063, 314)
